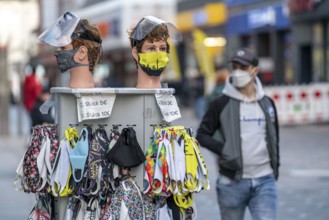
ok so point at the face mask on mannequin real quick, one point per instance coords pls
(240, 78)
(65, 59)
(153, 63)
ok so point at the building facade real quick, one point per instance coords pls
(202, 51)
(310, 32)
(265, 27)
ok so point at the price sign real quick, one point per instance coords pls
(95, 106)
(168, 105)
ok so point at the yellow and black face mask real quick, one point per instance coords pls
(153, 63)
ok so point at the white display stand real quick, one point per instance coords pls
(132, 106)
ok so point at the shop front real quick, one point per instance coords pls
(203, 47)
(310, 31)
(265, 28)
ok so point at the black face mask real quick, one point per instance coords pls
(151, 72)
(65, 59)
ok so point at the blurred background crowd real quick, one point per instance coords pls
(291, 38)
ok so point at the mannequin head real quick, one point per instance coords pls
(158, 34)
(150, 50)
(92, 42)
(78, 46)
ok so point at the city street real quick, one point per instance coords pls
(201, 49)
(303, 183)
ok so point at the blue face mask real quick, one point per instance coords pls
(65, 59)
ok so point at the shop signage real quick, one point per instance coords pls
(109, 28)
(200, 18)
(273, 16)
(297, 6)
(168, 105)
(95, 106)
(261, 17)
(233, 3)
(211, 14)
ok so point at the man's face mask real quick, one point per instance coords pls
(240, 78)
(153, 63)
(65, 59)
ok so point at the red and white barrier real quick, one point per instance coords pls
(319, 103)
(301, 104)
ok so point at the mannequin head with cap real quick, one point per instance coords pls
(78, 48)
(150, 49)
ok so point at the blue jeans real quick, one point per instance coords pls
(258, 194)
(200, 107)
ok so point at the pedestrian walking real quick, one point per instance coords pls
(198, 94)
(78, 44)
(32, 88)
(221, 74)
(248, 154)
(37, 117)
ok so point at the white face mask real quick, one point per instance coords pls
(240, 78)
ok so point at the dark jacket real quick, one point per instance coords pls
(37, 117)
(223, 115)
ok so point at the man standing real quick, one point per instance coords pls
(248, 154)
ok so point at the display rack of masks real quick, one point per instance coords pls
(91, 167)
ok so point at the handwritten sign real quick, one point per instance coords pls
(95, 106)
(168, 105)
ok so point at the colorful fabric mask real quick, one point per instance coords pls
(240, 78)
(65, 59)
(153, 63)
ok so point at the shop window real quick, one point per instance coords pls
(264, 43)
(287, 61)
(327, 51)
(246, 41)
(266, 62)
(306, 63)
(318, 52)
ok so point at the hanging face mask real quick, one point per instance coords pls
(65, 59)
(240, 78)
(153, 63)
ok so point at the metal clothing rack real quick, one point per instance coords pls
(131, 107)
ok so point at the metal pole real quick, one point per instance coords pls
(4, 93)
(20, 104)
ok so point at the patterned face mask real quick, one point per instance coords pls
(65, 59)
(153, 63)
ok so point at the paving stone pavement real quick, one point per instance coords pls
(14, 205)
(303, 186)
